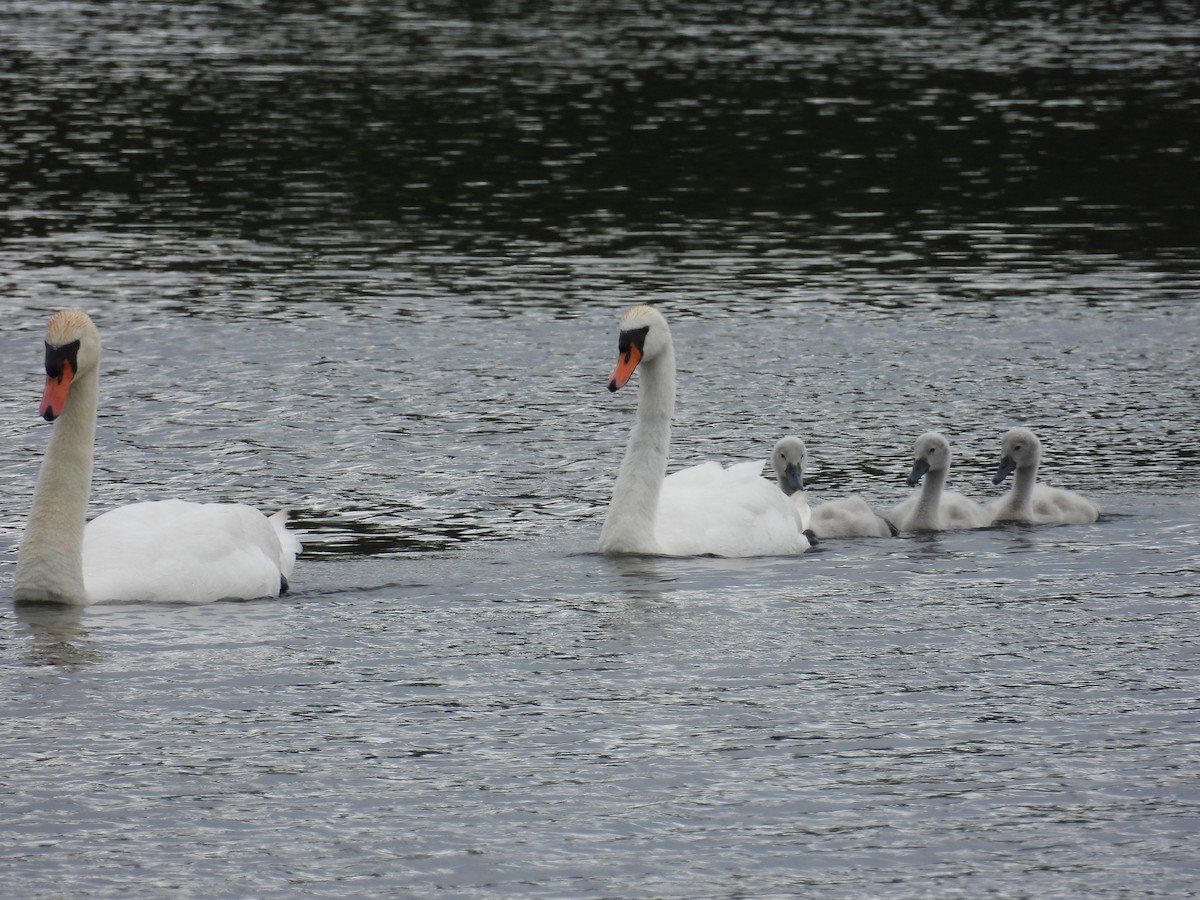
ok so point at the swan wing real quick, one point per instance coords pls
(904, 512)
(1005, 509)
(848, 517)
(958, 511)
(710, 510)
(954, 512)
(173, 551)
(1056, 506)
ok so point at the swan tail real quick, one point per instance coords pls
(289, 545)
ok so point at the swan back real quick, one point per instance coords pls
(712, 510)
(848, 517)
(173, 551)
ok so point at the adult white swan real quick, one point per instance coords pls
(168, 551)
(933, 508)
(1030, 500)
(845, 517)
(706, 509)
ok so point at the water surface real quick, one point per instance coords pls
(365, 263)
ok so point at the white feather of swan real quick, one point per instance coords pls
(169, 551)
(1030, 500)
(931, 507)
(845, 517)
(702, 510)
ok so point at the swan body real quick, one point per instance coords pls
(167, 551)
(1030, 500)
(232, 551)
(845, 517)
(849, 517)
(933, 508)
(702, 510)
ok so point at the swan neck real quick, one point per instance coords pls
(1024, 479)
(629, 526)
(50, 561)
(930, 502)
(656, 396)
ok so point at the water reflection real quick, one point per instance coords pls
(57, 635)
(641, 577)
(927, 545)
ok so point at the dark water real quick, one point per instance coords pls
(364, 261)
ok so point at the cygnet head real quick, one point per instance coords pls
(72, 350)
(788, 461)
(930, 454)
(1019, 449)
(644, 337)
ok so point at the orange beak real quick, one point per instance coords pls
(54, 397)
(626, 363)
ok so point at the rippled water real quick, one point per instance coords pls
(365, 263)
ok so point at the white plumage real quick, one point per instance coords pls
(734, 511)
(932, 507)
(173, 551)
(1030, 500)
(705, 509)
(169, 551)
(844, 517)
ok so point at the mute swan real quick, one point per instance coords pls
(846, 517)
(933, 508)
(1030, 500)
(706, 509)
(167, 551)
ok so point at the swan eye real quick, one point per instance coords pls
(57, 356)
(635, 337)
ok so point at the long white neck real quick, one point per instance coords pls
(629, 527)
(50, 561)
(929, 504)
(1020, 498)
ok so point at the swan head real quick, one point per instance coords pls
(930, 454)
(644, 336)
(1019, 449)
(72, 350)
(788, 461)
